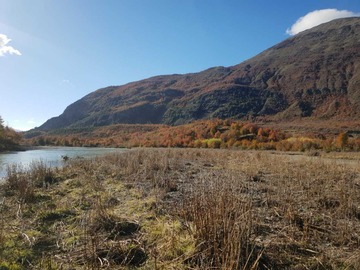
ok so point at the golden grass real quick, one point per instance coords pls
(184, 209)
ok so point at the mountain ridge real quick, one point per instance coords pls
(315, 74)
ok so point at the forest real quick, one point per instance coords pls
(215, 133)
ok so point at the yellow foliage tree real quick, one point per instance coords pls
(342, 140)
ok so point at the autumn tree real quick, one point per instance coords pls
(9, 138)
(1, 126)
(342, 140)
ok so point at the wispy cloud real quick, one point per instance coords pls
(67, 84)
(317, 17)
(23, 124)
(31, 122)
(4, 48)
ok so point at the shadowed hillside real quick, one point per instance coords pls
(313, 74)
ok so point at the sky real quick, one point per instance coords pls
(54, 52)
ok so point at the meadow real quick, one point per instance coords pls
(170, 208)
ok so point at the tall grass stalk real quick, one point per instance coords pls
(222, 219)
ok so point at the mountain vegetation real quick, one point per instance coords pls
(215, 133)
(313, 75)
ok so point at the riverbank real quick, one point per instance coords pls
(15, 148)
(184, 209)
(52, 156)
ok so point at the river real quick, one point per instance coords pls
(52, 156)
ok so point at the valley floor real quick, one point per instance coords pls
(184, 209)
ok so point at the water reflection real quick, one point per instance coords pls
(52, 156)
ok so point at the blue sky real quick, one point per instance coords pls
(53, 52)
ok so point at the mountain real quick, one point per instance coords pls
(314, 74)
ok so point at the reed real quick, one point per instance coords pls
(183, 209)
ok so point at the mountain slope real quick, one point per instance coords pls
(315, 73)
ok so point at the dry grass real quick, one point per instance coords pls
(221, 216)
(183, 209)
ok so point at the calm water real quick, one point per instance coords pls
(51, 155)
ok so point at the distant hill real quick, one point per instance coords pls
(314, 74)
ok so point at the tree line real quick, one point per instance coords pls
(9, 138)
(213, 133)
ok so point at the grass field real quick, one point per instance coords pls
(184, 209)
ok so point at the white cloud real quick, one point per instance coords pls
(4, 48)
(4, 40)
(31, 121)
(317, 17)
(23, 124)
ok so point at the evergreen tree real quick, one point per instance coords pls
(1, 127)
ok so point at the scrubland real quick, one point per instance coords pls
(184, 209)
(214, 133)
